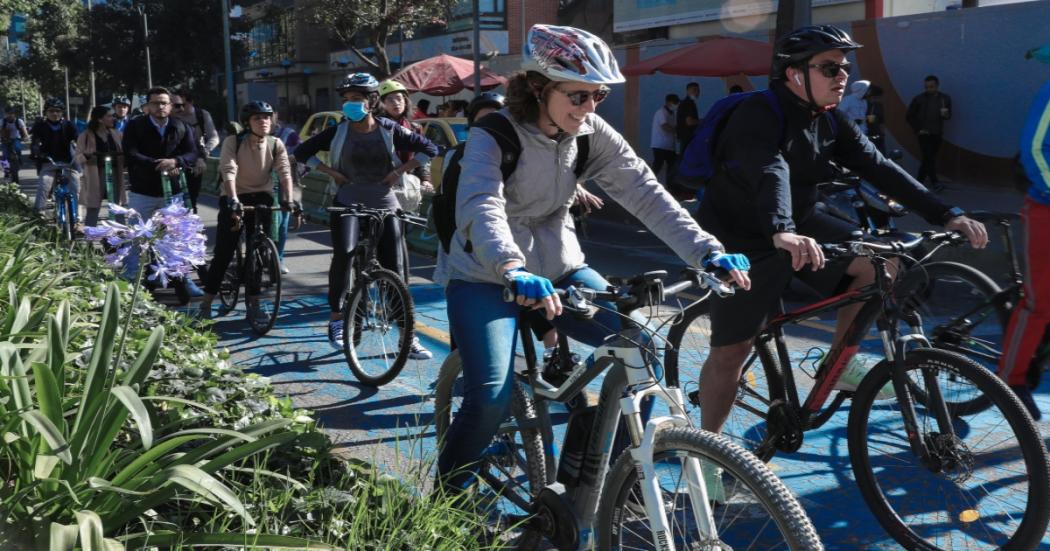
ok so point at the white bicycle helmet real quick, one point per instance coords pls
(570, 54)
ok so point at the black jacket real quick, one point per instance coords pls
(143, 147)
(924, 112)
(686, 108)
(49, 143)
(767, 177)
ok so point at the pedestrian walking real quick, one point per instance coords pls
(13, 134)
(854, 105)
(926, 115)
(158, 145)
(687, 118)
(53, 140)
(204, 135)
(662, 138)
(290, 138)
(94, 145)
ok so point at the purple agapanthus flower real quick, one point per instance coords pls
(173, 239)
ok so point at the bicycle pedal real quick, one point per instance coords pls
(694, 398)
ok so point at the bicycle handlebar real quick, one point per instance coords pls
(869, 248)
(361, 210)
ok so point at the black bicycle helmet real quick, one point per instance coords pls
(54, 103)
(806, 42)
(120, 100)
(486, 99)
(255, 108)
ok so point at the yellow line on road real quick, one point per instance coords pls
(434, 333)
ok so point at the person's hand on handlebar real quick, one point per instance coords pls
(736, 264)
(804, 250)
(972, 229)
(533, 290)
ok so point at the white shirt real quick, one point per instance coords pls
(660, 138)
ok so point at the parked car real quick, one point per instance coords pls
(445, 132)
(316, 124)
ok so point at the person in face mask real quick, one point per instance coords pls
(364, 164)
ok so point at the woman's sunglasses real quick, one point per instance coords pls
(831, 69)
(580, 97)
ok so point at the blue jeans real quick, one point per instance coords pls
(282, 233)
(485, 330)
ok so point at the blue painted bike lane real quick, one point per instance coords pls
(394, 424)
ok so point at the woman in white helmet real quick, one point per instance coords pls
(519, 234)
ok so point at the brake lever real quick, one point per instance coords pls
(711, 281)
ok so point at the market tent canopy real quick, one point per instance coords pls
(444, 75)
(717, 57)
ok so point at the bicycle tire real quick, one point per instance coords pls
(531, 443)
(264, 272)
(361, 314)
(230, 289)
(953, 289)
(68, 220)
(781, 509)
(901, 522)
(687, 344)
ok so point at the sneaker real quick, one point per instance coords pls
(854, 374)
(716, 490)
(1025, 395)
(284, 268)
(416, 351)
(335, 334)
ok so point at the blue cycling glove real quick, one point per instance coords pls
(532, 286)
(728, 262)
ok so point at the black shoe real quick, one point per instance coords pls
(1025, 395)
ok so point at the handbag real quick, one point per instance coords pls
(409, 192)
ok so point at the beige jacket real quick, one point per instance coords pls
(249, 166)
(92, 185)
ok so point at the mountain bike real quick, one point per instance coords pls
(378, 315)
(965, 311)
(985, 477)
(66, 213)
(257, 266)
(675, 487)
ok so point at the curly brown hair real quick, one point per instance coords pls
(522, 89)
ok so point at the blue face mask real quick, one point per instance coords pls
(355, 110)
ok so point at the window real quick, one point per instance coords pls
(436, 134)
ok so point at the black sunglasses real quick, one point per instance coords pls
(580, 97)
(178, 105)
(830, 69)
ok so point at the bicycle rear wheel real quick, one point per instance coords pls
(754, 510)
(986, 487)
(263, 276)
(960, 313)
(688, 343)
(230, 289)
(512, 470)
(377, 327)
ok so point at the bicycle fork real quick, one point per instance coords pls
(642, 449)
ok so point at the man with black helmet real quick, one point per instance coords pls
(53, 138)
(364, 164)
(121, 105)
(761, 200)
(245, 164)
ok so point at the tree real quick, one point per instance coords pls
(372, 21)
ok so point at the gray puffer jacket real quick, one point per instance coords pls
(527, 218)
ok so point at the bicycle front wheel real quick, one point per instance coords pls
(986, 484)
(68, 219)
(752, 509)
(262, 286)
(378, 323)
(512, 471)
(961, 313)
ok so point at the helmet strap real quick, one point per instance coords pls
(809, 92)
(541, 98)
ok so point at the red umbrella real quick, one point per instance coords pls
(444, 75)
(717, 57)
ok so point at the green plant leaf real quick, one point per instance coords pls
(94, 396)
(147, 357)
(90, 531)
(21, 316)
(48, 395)
(50, 433)
(146, 464)
(63, 537)
(56, 351)
(194, 479)
(139, 413)
(11, 366)
(247, 541)
(45, 464)
(97, 483)
(285, 478)
(177, 400)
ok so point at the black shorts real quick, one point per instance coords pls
(741, 316)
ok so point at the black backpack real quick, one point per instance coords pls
(444, 202)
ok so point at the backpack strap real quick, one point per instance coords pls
(502, 130)
(583, 151)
